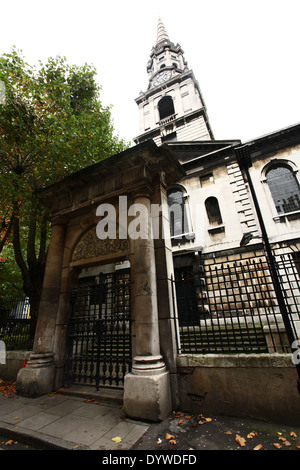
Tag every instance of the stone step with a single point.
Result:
(109, 396)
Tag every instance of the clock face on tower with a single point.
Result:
(162, 77)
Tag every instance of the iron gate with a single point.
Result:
(100, 330)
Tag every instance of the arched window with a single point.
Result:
(284, 188)
(177, 213)
(213, 211)
(166, 107)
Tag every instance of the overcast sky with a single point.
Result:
(244, 53)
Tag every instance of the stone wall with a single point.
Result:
(259, 386)
(14, 362)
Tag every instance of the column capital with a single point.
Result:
(144, 191)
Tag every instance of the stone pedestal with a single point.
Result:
(147, 393)
(37, 378)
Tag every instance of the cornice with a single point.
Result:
(178, 78)
(274, 142)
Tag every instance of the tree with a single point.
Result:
(52, 123)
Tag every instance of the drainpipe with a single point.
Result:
(245, 162)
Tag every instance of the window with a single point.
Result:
(166, 107)
(213, 211)
(284, 188)
(177, 213)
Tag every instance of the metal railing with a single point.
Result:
(100, 331)
(234, 309)
(17, 325)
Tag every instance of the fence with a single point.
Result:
(16, 324)
(233, 308)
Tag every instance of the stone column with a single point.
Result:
(164, 273)
(37, 378)
(147, 388)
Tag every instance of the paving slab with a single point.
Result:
(70, 421)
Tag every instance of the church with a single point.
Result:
(172, 111)
(204, 318)
(219, 222)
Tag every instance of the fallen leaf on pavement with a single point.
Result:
(172, 441)
(158, 441)
(169, 436)
(287, 443)
(293, 434)
(9, 443)
(117, 439)
(240, 440)
(278, 446)
(281, 438)
(228, 432)
(258, 447)
(208, 420)
(180, 421)
(7, 388)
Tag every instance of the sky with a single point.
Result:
(244, 54)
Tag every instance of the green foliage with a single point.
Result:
(10, 275)
(52, 123)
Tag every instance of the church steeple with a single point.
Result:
(161, 32)
(164, 55)
(172, 108)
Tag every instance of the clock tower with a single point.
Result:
(172, 108)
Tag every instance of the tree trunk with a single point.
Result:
(32, 271)
(7, 233)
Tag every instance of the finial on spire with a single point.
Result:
(161, 32)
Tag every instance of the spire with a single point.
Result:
(162, 34)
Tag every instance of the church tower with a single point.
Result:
(172, 108)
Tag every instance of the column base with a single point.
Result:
(147, 393)
(37, 378)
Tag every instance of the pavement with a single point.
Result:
(78, 419)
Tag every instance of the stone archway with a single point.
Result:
(141, 174)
